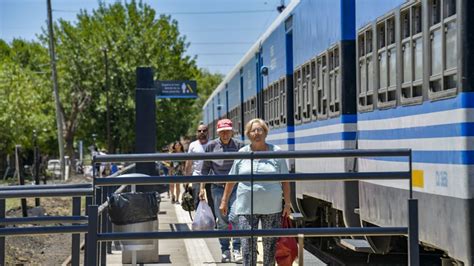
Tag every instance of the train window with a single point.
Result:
(306, 99)
(451, 46)
(365, 71)
(314, 91)
(276, 102)
(273, 104)
(405, 21)
(297, 95)
(443, 48)
(412, 55)
(449, 8)
(435, 12)
(266, 106)
(381, 35)
(283, 105)
(253, 106)
(334, 82)
(387, 63)
(322, 86)
(361, 44)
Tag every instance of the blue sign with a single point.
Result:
(176, 89)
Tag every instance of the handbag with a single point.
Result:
(286, 247)
(187, 200)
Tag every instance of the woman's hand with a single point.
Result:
(286, 210)
(202, 194)
(223, 208)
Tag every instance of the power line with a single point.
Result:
(220, 12)
(219, 30)
(223, 65)
(219, 53)
(194, 12)
(220, 43)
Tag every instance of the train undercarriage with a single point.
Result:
(390, 250)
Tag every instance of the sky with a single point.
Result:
(219, 31)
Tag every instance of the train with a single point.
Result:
(368, 74)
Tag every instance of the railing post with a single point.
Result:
(92, 236)
(2, 239)
(413, 248)
(103, 228)
(251, 212)
(88, 203)
(76, 238)
(300, 249)
(109, 223)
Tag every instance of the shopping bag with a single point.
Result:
(286, 247)
(204, 219)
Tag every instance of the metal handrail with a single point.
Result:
(43, 220)
(411, 230)
(277, 232)
(153, 180)
(153, 157)
(36, 193)
(42, 187)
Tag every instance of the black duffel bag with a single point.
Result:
(133, 207)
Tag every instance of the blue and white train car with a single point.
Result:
(415, 85)
(323, 36)
(369, 74)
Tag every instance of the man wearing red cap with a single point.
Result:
(225, 143)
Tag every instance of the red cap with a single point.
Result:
(224, 124)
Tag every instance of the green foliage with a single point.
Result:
(25, 97)
(130, 35)
(207, 82)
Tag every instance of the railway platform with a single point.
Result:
(189, 251)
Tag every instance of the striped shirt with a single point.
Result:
(220, 167)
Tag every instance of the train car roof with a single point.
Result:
(254, 49)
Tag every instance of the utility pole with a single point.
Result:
(107, 94)
(54, 79)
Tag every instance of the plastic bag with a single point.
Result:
(133, 207)
(204, 219)
(286, 247)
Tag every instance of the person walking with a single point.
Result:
(224, 143)
(193, 167)
(267, 196)
(177, 170)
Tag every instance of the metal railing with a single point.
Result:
(411, 231)
(78, 222)
(76, 191)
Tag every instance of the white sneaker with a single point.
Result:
(237, 256)
(225, 256)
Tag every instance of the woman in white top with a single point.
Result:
(267, 198)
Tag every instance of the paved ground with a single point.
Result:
(188, 251)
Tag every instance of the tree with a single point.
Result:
(207, 82)
(25, 97)
(133, 37)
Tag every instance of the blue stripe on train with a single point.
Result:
(343, 119)
(435, 157)
(437, 131)
(463, 100)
